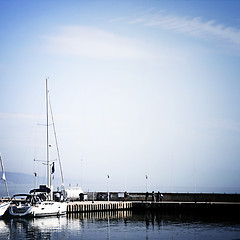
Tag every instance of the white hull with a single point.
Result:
(3, 207)
(43, 209)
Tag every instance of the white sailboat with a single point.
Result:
(39, 202)
(4, 205)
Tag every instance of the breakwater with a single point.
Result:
(198, 202)
(203, 207)
(200, 207)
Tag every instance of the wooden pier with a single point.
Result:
(101, 206)
(200, 207)
(97, 206)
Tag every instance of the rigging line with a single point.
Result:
(55, 135)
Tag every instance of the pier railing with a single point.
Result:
(172, 197)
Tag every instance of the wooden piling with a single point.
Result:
(75, 207)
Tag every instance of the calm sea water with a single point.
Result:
(123, 225)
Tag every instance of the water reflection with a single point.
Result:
(123, 225)
(39, 228)
(100, 215)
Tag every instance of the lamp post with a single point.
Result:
(81, 179)
(35, 179)
(108, 186)
(146, 182)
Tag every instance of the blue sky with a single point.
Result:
(137, 87)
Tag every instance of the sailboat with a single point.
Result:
(40, 202)
(4, 205)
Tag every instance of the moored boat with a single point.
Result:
(40, 202)
(5, 203)
(35, 204)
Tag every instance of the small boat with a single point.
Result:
(40, 202)
(5, 203)
(36, 205)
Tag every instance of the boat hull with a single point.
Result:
(3, 208)
(44, 209)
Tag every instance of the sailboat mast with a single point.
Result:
(47, 135)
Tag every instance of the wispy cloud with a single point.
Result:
(117, 19)
(93, 43)
(192, 26)
(222, 124)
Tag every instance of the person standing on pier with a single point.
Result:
(125, 195)
(153, 196)
(146, 196)
(161, 197)
(158, 196)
